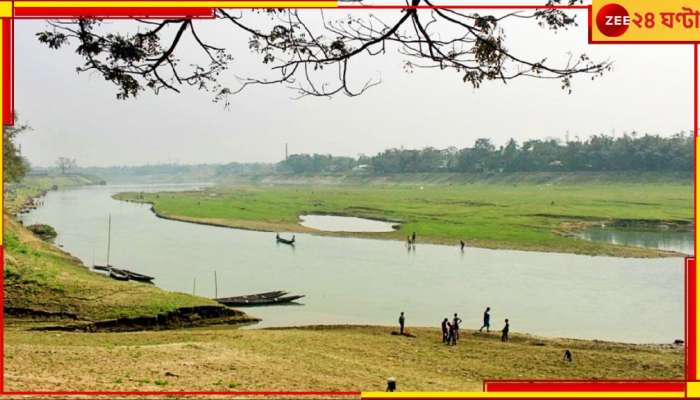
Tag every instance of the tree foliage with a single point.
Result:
(313, 53)
(14, 165)
(630, 152)
(66, 164)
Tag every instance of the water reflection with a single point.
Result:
(681, 242)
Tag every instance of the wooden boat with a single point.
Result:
(134, 276)
(286, 241)
(259, 302)
(118, 274)
(258, 296)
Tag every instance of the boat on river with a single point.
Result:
(258, 296)
(259, 299)
(286, 241)
(120, 273)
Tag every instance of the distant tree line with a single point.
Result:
(630, 152)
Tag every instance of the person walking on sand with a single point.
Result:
(505, 331)
(445, 332)
(487, 320)
(455, 324)
(402, 320)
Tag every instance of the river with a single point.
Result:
(363, 281)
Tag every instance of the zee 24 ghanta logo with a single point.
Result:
(613, 20)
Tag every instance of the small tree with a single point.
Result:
(13, 164)
(65, 164)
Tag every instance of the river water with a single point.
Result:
(681, 242)
(363, 281)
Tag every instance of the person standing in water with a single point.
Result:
(402, 320)
(487, 320)
(505, 331)
(413, 238)
(461, 244)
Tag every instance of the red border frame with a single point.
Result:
(488, 385)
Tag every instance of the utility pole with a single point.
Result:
(194, 286)
(216, 286)
(286, 151)
(109, 236)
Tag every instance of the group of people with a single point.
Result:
(411, 240)
(450, 329)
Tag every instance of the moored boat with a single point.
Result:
(243, 301)
(257, 296)
(118, 274)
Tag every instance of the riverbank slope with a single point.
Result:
(19, 196)
(42, 282)
(326, 358)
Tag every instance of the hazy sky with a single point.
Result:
(77, 115)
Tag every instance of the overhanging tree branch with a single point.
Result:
(299, 50)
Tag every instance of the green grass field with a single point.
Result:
(525, 216)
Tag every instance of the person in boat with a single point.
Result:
(278, 236)
(402, 321)
(455, 324)
(505, 332)
(487, 320)
(293, 236)
(445, 332)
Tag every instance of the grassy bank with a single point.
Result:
(39, 276)
(505, 214)
(314, 358)
(32, 186)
